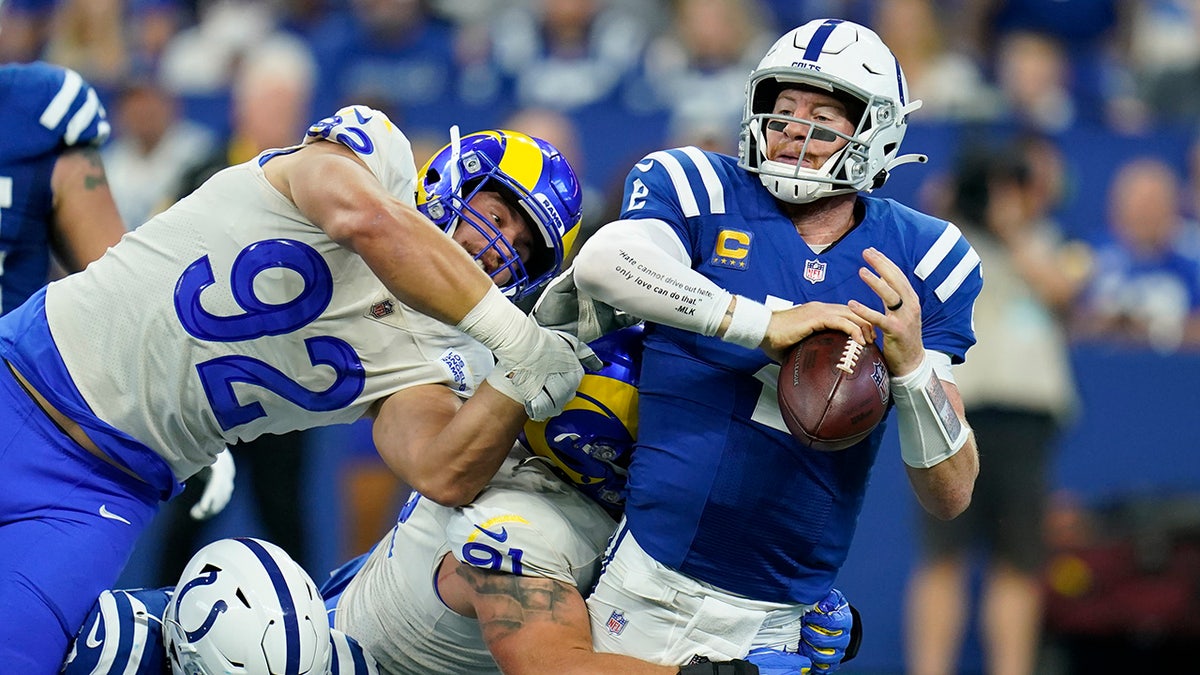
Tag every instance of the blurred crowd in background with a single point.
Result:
(1064, 139)
(211, 82)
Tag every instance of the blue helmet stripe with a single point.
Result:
(291, 622)
(813, 51)
(899, 80)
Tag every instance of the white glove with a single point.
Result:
(562, 306)
(218, 486)
(548, 380)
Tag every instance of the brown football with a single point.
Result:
(833, 392)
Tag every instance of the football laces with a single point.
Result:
(850, 354)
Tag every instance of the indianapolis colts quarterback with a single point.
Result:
(498, 585)
(732, 528)
(302, 288)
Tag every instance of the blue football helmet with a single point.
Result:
(530, 174)
(591, 441)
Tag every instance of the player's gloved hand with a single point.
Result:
(546, 382)
(218, 486)
(777, 662)
(828, 635)
(563, 306)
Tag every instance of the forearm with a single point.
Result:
(936, 443)
(422, 266)
(445, 451)
(638, 267)
(944, 490)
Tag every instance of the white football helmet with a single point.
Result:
(244, 607)
(851, 62)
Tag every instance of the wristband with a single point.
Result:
(748, 324)
(500, 326)
(930, 430)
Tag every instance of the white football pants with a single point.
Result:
(645, 609)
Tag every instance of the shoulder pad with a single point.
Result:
(379, 143)
(57, 106)
(122, 634)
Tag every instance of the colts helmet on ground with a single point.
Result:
(244, 607)
(853, 64)
(591, 441)
(528, 172)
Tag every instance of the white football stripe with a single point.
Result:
(716, 191)
(57, 110)
(938, 252)
(687, 198)
(969, 262)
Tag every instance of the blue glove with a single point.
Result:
(776, 662)
(826, 632)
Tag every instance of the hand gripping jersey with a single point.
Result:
(44, 110)
(527, 522)
(718, 489)
(123, 634)
(230, 315)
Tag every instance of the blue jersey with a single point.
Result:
(123, 634)
(44, 110)
(718, 489)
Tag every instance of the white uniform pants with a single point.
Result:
(645, 609)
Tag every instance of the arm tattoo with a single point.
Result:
(95, 176)
(507, 603)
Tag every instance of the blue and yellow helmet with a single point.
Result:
(529, 172)
(591, 441)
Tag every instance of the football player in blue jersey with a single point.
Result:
(54, 195)
(242, 606)
(306, 287)
(497, 585)
(733, 529)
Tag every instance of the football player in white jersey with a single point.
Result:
(303, 288)
(733, 529)
(497, 585)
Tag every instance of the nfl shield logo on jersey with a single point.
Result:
(382, 309)
(616, 623)
(814, 271)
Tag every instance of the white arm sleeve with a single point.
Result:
(642, 268)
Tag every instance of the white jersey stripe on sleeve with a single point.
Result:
(687, 198)
(938, 252)
(57, 110)
(716, 191)
(957, 275)
(82, 117)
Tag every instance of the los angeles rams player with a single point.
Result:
(732, 529)
(497, 585)
(302, 288)
(242, 606)
(54, 195)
